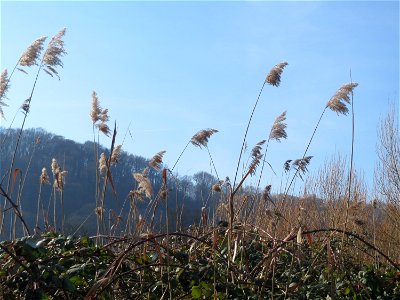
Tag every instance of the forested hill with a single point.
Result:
(37, 149)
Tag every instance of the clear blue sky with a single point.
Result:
(173, 68)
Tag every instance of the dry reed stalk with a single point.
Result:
(346, 91)
(201, 139)
(277, 132)
(43, 179)
(273, 78)
(51, 59)
(100, 117)
(337, 103)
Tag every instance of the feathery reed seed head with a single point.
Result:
(256, 157)
(302, 163)
(156, 160)
(278, 130)
(104, 115)
(115, 155)
(103, 128)
(26, 105)
(44, 178)
(55, 50)
(201, 137)
(286, 165)
(4, 85)
(102, 163)
(338, 102)
(97, 113)
(54, 166)
(256, 151)
(31, 55)
(145, 186)
(274, 76)
(96, 110)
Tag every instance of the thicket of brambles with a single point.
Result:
(158, 235)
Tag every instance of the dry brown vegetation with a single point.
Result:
(256, 244)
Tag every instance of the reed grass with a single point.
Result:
(256, 242)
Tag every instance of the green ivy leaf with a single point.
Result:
(196, 292)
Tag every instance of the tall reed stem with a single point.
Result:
(245, 134)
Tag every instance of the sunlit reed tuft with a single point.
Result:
(278, 130)
(54, 166)
(256, 157)
(201, 137)
(31, 55)
(97, 114)
(96, 110)
(44, 178)
(338, 102)
(156, 160)
(115, 155)
(274, 76)
(4, 85)
(103, 128)
(102, 163)
(144, 184)
(55, 50)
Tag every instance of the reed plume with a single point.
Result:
(99, 115)
(278, 130)
(337, 104)
(4, 85)
(54, 166)
(156, 160)
(59, 175)
(115, 155)
(44, 178)
(103, 128)
(102, 163)
(96, 109)
(286, 165)
(338, 101)
(145, 186)
(201, 137)
(52, 56)
(302, 163)
(31, 55)
(274, 76)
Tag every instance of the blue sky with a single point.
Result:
(171, 69)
